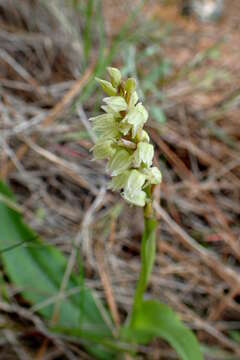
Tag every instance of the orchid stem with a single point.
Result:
(148, 250)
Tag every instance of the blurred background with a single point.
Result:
(185, 56)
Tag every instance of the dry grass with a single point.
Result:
(45, 157)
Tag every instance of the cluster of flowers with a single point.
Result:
(122, 140)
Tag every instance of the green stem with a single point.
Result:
(148, 250)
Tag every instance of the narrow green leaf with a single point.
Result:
(105, 58)
(158, 320)
(87, 41)
(38, 270)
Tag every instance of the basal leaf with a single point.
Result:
(37, 269)
(158, 320)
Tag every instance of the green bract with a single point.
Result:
(123, 142)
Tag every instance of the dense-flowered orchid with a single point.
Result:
(122, 140)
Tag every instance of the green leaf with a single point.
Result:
(157, 320)
(119, 345)
(38, 270)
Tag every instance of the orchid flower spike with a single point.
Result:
(122, 140)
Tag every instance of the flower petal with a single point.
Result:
(138, 198)
(133, 99)
(153, 175)
(120, 162)
(118, 182)
(144, 137)
(135, 181)
(105, 126)
(144, 154)
(103, 150)
(137, 116)
(116, 103)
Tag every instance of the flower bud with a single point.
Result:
(107, 87)
(143, 154)
(115, 76)
(130, 85)
(120, 162)
(116, 103)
